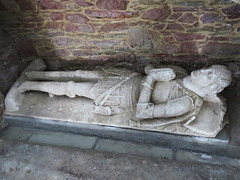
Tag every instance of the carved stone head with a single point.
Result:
(210, 80)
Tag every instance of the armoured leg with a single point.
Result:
(79, 75)
(70, 89)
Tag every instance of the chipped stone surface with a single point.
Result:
(76, 18)
(174, 27)
(144, 38)
(211, 17)
(112, 4)
(111, 14)
(2, 108)
(188, 36)
(171, 49)
(189, 47)
(46, 162)
(213, 48)
(188, 18)
(113, 27)
(157, 14)
(83, 3)
(56, 16)
(51, 4)
(232, 12)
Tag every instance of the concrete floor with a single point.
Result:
(23, 161)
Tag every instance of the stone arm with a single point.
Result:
(147, 110)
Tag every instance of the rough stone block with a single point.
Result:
(188, 18)
(232, 12)
(113, 27)
(211, 17)
(183, 9)
(215, 48)
(104, 43)
(51, 4)
(16, 133)
(71, 28)
(56, 16)
(77, 18)
(135, 149)
(142, 38)
(63, 139)
(1, 108)
(112, 4)
(26, 48)
(157, 14)
(83, 3)
(189, 157)
(111, 14)
(171, 49)
(26, 5)
(64, 41)
(79, 28)
(174, 27)
(159, 26)
(188, 36)
(191, 3)
(54, 25)
(85, 52)
(86, 28)
(57, 53)
(189, 47)
(175, 16)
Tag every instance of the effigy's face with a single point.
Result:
(205, 77)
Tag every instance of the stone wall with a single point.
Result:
(97, 32)
(13, 51)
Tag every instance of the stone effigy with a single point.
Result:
(164, 99)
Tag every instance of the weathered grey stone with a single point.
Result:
(135, 149)
(189, 157)
(1, 108)
(219, 2)
(63, 139)
(144, 39)
(191, 3)
(27, 161)
(157, 14)
(232, 12)
(16, 133)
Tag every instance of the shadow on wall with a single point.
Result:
(17, 38)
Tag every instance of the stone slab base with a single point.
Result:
(218, 145)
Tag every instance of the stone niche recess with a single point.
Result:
(84, 34)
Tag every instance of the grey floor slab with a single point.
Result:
(129, 148)
(16, 133)
(63, 139)
(189, 157)
(23, 161)
(217, 146)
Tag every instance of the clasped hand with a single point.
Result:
(162, 74)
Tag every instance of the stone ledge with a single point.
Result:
(216, 146)
(127, 148)
(63, 139)
(136, 149)
(189, 157)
